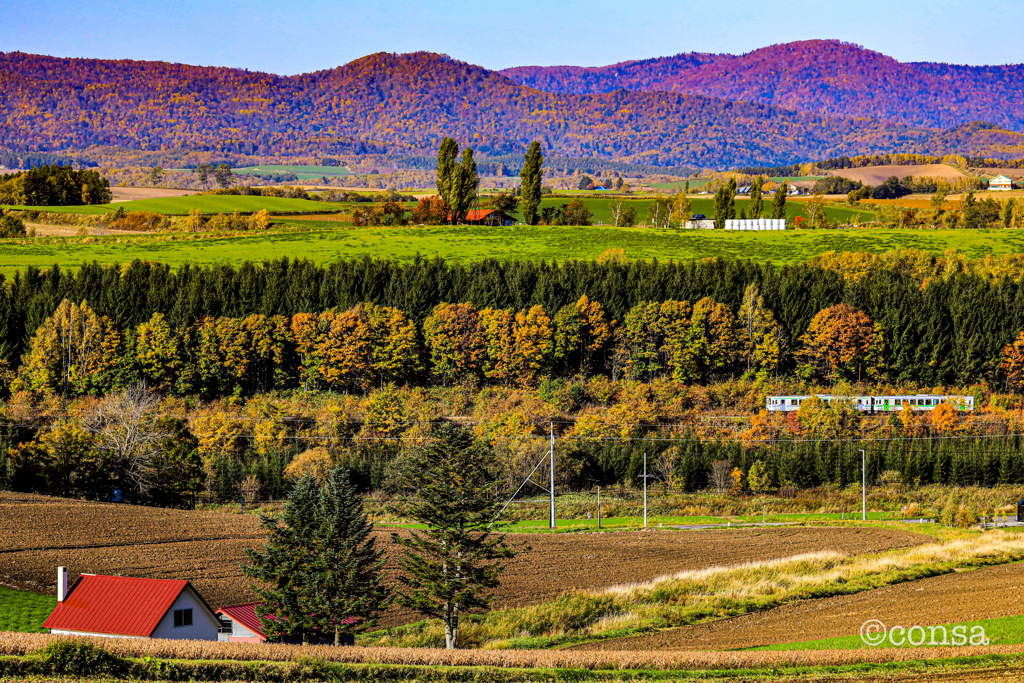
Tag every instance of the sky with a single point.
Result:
(309, 35)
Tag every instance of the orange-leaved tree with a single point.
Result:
(1012, 365)
(456, 341)
(841, 343)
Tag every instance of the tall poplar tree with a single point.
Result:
(448, 486)
(756, 207)
(779, 202)
(447, 169)
(530, 181)
(466, 184)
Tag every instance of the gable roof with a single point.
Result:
(244, 615)
(1001, 178)
(118, 605)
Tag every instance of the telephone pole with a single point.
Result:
(864, 484)
(552, 475)
(645, 476)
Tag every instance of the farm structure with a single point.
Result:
(241, 624)
(1020, 510)
(1001, 183)
(740, 224)
(873, 404)
(128, 607)
(488, 217)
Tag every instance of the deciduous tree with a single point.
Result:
(530, 182)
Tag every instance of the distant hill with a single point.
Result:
(817, 76)
(406, 103)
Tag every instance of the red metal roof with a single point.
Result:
(119, 605)
(246, 616)
(478, 214)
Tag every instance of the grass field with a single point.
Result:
(465, 244)
(303, 172)
(23, 610)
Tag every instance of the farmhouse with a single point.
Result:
(240, 624)
(1000, 182)
(127, 607)
(488, 217)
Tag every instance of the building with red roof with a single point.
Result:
(128, 607)
(241, 624)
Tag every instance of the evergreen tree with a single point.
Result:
(530, 181)
(449, 487)
(347, 569)
(779, 202)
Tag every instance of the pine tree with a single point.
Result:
(530, 181)
(449, 487)
(779, 202)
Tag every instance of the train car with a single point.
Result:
(873, 404)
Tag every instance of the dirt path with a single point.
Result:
(986, 593)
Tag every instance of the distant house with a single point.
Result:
(240, 624)
(127, 607)
(1000, 182)
(488, 217)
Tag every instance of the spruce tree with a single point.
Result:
(779, 202)
(346, 569)
(530, 181)
(448, 486)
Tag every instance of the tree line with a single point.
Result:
(53, 185)
(940, 327)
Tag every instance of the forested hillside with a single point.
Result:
(406, 104)
(819, 76)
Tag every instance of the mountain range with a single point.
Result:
(784, 103)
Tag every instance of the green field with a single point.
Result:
(23, 610)
(219, 203)
(463, 244)
(1001, 631)
(303, 172)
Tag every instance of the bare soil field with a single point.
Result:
(986, 593)
(127, 194)
(876, 175)
(38, 534)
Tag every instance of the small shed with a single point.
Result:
(1020, 510)
(241, 624)
(129, 607)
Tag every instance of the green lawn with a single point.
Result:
(221, 203)
(1002, 631)
(23, 610)
(463, 244)
(303, 172)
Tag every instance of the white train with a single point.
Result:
(874, 404)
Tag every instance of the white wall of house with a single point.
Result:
(204, 624)
(63, 632)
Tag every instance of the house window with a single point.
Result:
(182, 617)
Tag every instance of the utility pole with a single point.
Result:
(552, 475)
(644, 476)
(864, 484)
(598, 507)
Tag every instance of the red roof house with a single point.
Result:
(128, 607)
(241, 624)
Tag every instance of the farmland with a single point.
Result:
(876, 175)
(206, 547)
(302, 172)
(463, 244)
(206, 203)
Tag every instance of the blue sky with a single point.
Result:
(308, 35)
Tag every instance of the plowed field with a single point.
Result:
(37, 534)
(987, 593)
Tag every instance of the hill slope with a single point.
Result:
(407, 103)
(815, 76)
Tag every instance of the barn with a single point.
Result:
(128, 607)
(488, 217)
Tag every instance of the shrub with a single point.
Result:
(82, 658)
